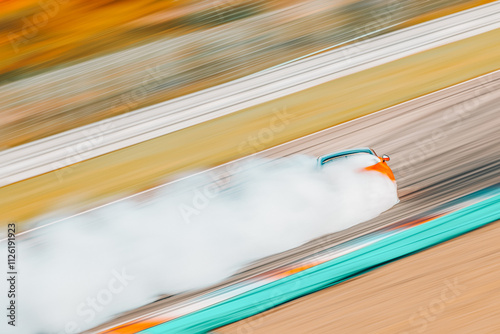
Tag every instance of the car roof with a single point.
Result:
(324, 158)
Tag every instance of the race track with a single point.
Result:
(442, 145)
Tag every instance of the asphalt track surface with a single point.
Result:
(442, 146)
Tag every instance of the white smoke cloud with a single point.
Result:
(192, 234)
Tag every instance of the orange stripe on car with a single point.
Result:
(383, 168)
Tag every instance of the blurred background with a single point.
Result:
(171, 146)
(50, 83)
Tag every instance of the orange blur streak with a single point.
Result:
(298, 269)
(417, 222)
(383, 168)
(134, 326)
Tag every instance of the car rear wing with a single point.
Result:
(325, 158)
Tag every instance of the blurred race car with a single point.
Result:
(364, 181)
(366, 157)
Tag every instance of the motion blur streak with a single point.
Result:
(186, 46)
(188, 229)
(84, 143)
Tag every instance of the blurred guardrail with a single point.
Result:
(80, 144)
(229, 39)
